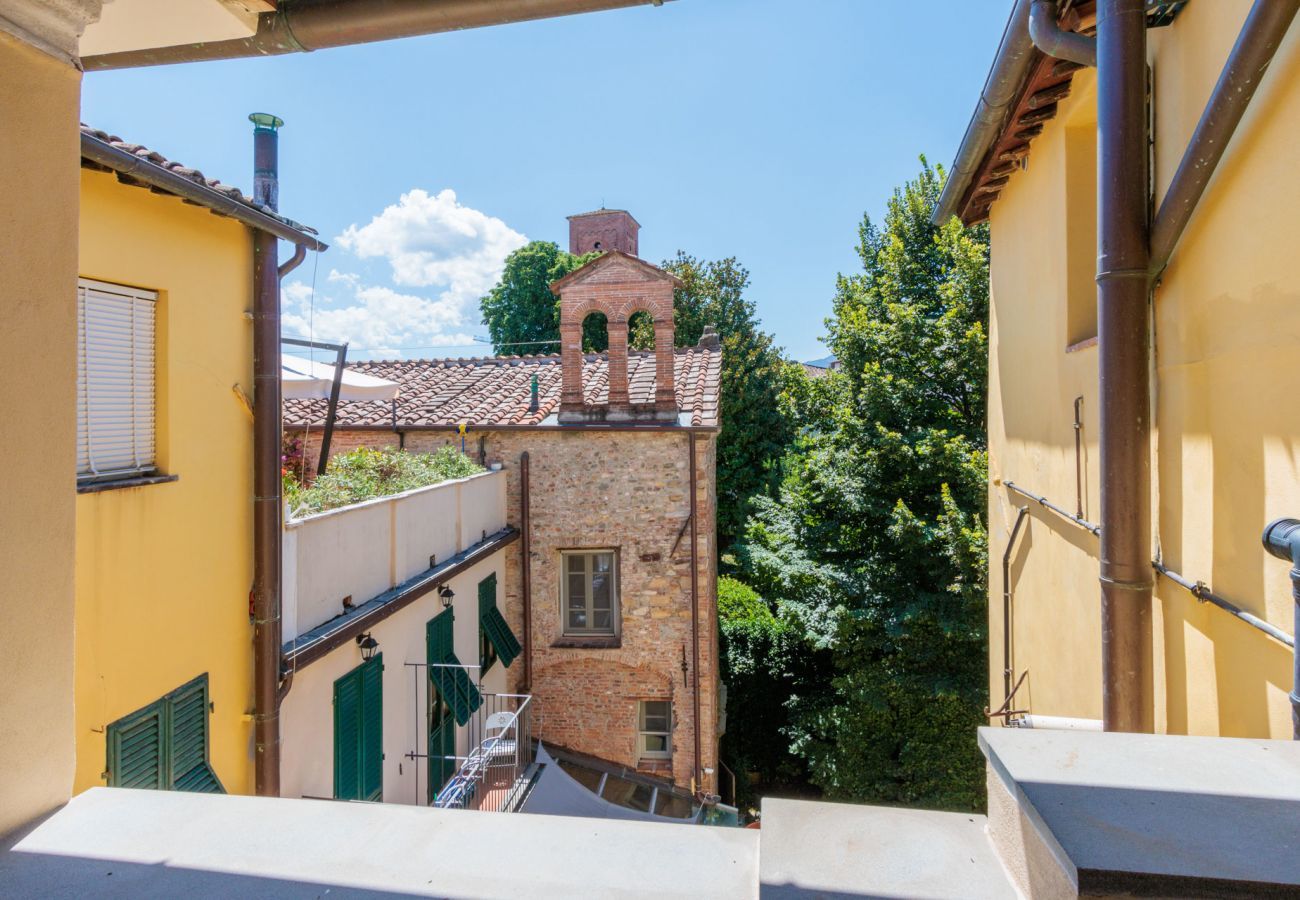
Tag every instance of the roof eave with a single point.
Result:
(1006, 79)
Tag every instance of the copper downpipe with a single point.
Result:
(698, 776)
(1124, 336)
(525, 568)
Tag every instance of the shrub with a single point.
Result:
(367, 474)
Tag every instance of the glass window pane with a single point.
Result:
(575, 563)
(641, 797)
(671, 805)
(602, 620)
(602, 562)
(577, 591)
(601, 595)
(657, 709)
(655, 743)
(577, 618)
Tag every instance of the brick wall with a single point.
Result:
(628, 490)
(610, 230)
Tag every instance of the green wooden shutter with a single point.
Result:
(136, 749)
(454, 684)
(372, 729)
(164, 746)
(493, 624)
(188, 733)
(347, 736)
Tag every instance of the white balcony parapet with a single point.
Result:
(358, 552)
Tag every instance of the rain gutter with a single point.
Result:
(298, 27)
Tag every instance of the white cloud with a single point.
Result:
(434, 241)
(429, 241)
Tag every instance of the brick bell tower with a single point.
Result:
(603, 229)
(619, 285)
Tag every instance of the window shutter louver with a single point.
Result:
(347, 737)
(372, 729)
(494, 624)
(165, 745)
(115, 380)
(453, 684)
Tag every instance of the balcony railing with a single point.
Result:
(494, 777)
(493, 758)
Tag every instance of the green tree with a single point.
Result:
(755, 433)
(522, 314)
(875, 544)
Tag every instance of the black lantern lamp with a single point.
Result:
(368, 646)
(447, 595)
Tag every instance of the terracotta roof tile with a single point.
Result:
(495, 390)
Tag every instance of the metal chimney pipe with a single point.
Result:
(266, 159)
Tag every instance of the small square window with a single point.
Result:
(589, 585)
(655, 738)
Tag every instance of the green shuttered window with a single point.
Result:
(359, 732)
(164, 746)
(496, 640)
(448, 675)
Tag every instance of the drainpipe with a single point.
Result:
(267, 501)
(1124, 336)
(698, 776)
(1266, 25)
(526, 580)
(1055, 41)
(300, 27)
(1282, 539)
(1021, 513)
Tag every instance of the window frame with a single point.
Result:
(616, 605)
(643, 731)
(144, 471)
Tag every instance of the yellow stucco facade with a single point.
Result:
(39, 102)
(163, 571)
(1225, 442)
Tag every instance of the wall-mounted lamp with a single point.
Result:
(447, 595)
(368, 646)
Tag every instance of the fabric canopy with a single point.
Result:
(304, 379)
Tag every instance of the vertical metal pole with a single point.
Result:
(698, 775)
(1124, 337)
(525, 567)
(1007, 632)
(332, 413)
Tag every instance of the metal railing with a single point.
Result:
(497, 741)
(495, 775)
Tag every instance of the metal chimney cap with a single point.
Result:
(265, 121)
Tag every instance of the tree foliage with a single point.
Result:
(522, 315)
(875, 545)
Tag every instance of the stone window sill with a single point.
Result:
(595, 642)
(96, 487)
(1082, 345)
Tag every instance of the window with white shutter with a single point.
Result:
(115, 381)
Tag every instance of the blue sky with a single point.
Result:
(749, 128)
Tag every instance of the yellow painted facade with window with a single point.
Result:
(1225, 439)
(163, 571)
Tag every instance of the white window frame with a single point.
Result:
(643, 731)
(615, 611)
(117, 418)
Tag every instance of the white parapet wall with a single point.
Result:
(360, 551)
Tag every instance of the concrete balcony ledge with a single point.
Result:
(111, 842)
(1092, 814)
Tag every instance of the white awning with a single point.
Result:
(305, 379)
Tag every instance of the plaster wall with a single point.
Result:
(1225, 449)
(164, 570)
(307, 714)
(39, 106)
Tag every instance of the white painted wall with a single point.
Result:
(365, 549)
(307, 715)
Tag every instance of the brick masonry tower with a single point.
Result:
(618, 285)
(603, 229)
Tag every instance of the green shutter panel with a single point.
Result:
(347, 736)
(135, 749)
(494, 624)
(188, 751)
(372, 729)
(453, 684)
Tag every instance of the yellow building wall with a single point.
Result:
(39, 104)
(1225, 443)
(163, 571)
